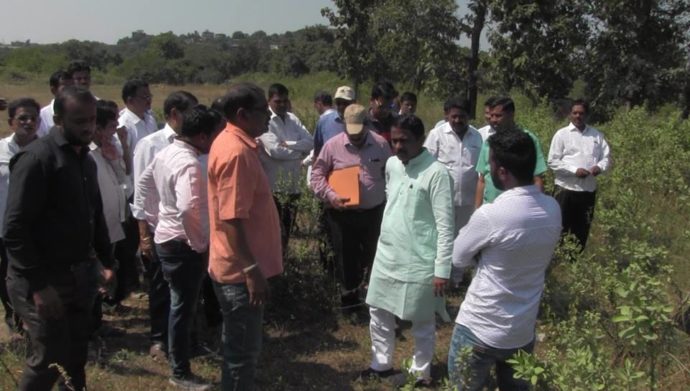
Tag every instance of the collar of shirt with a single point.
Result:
(169, 133)
(519, 190)
(62, 142)
(185, 145)
(367, 141)
(129, 116)
(325, 113)
(419, 159)
(239, 133)
(572, 127)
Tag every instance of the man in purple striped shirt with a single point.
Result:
(354, 230)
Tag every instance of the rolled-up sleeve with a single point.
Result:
(473, 237)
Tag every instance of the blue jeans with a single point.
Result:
(480, 361)
(241, 336)
(183, 269)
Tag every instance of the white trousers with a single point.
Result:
(382, 330)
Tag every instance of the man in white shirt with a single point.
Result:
(136, 116)
(23, 119)
(323, 104)
(578, 154)
(487, 130)
(284, 146)
(178, 180)
(511, 242)
(145, 211)
(58, 81)
(456, 145)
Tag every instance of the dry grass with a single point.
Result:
(297, 355)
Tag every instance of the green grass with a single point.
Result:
(642, 212)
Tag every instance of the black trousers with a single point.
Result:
(354, 235)
(11, 319)
(61, 341)
(577, 210)
(126, 255)
(159, 299)
(287, 212)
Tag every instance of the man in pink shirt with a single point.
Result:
(354, 230)
(245, 232)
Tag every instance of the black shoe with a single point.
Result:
(371, 373)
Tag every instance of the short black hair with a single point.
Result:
(105, 113)
(80, 94)
(456, 103)
(277, 89)
(180, 100)
(489, 102)
(55, 78)
(219, 105)
(323, 97)
(13, 106)
(383, 89)
(411, 123)
(580, 102)
(408, 97)
(218, 117)
(243, 95)
(198, 120)
(515, 151)
(130, 88)
(78, 66)
(505, 102)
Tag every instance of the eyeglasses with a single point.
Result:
(144, 97)
(26, 118)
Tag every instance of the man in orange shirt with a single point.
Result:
(245, 245)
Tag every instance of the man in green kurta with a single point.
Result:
(413, 256)
(502, 119)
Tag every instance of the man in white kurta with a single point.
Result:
(456, 145)
(412, 263)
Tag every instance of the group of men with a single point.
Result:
(431, 207)
(210, 199)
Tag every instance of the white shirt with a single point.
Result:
(572, 149)
(177, 178)
(512, 240)
(112, 195)
(146, 150)
(460, 158)
(282, 163)
(8, 148)
(47, 122)
(486, 131)
(137, 128)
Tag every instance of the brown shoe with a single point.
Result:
(157, 352)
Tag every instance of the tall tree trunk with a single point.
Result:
(477, 27)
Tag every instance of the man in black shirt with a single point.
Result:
(381, 116)
(55, 235)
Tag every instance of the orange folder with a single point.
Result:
(345, 182)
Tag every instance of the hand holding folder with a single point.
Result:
(345, 182)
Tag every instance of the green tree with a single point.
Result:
(355, 54)
(537, 45)
(636, 53)
(417, 40)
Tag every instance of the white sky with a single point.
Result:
(49, 21)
